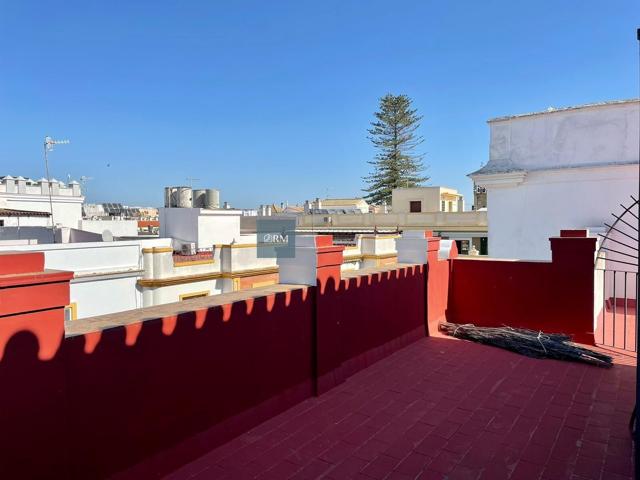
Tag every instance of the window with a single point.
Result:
(1, 223)
(415, 206)
(189, 296)
(463, 247)
(451, 206)
(443, 206)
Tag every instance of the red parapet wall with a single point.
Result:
(32, 406)
(187, 382)
(556, 296)
(146, 397)
(365, 318)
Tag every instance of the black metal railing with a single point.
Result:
(617, 320)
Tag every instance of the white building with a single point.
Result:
(200, 226)
(18, 193)
(426, 199)
(105, 273)
(558, 169)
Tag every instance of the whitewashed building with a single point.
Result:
(426, 199)
(19, 193)
(557, 169)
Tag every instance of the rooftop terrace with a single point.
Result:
(329, 374)
(443, 408)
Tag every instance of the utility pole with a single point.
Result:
(48, 147)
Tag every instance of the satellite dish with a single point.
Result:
(107, 236)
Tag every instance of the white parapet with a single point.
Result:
(445, 249)
(301, 268)
(412, 247)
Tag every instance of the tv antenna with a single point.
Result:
(191, 181)
(83, 184)
(49, 143)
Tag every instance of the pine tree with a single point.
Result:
(396, 164)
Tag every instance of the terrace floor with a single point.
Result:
(442, 408)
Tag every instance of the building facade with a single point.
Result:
(19, 193)
(561, 168)
(426, 199)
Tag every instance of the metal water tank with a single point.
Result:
(212, 198)
(199, 198)
(167, 197)
(184, 197)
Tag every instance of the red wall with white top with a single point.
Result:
(119, 399)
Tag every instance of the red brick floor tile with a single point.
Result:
(379, 468)
(284, 469)
(313, 470)
(337, 453)
(587, 467)
(597, 434)
(413, 464)
(496, 471)
(444, 408)
(527, 471)
(347, 468)
(618, 464)
(400, 448)
(595, 449)
(459, 443)
(431, 443)
(538, 454)
(463, 472)
(430, 475)
(557, 470)
(446, 429)
(444, 462)
(371, 449)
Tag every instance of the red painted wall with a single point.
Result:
(32, 400)
(114, 399)
(439, 273)
(148, 397)
(365, 319)
(554, 296)
(108, 400)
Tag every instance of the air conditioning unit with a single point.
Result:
(188, 248)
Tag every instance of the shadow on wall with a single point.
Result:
(96, 408)
(365, 318)
(165, 391)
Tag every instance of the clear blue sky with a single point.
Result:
(270, 101)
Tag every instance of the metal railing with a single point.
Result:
(617, 320)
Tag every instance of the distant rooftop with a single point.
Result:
(564, 109)
(341, 201)
(12, 212)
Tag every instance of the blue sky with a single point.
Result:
(270, 101)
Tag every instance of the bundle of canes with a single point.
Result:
(536, 344)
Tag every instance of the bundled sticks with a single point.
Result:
(528, 342)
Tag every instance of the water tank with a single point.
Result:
(167, 197)
(212, 198)
(184, 197)
(199, 198)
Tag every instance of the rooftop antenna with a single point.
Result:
(191, 180)
(83, 182)
(49, 143)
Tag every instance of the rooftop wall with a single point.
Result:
(475, 221)
(122, 388)
(555, 296)
(592, 135)
(151, 389)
